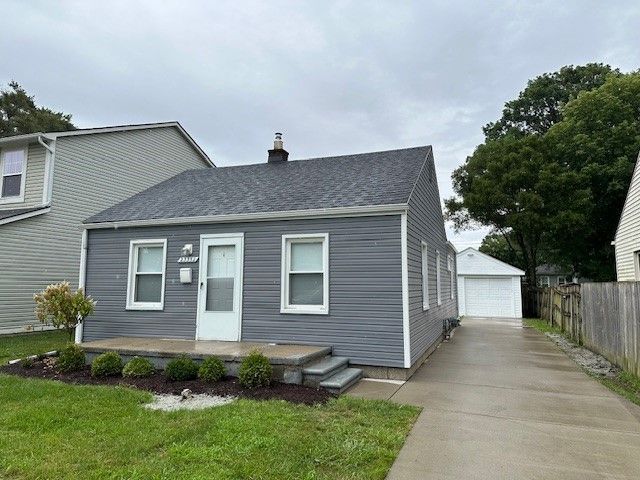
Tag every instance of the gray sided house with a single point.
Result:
(348, 252)
(51, 182)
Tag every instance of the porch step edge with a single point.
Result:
(325, 365)
(342, 380)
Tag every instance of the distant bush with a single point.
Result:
(109, 364)
(211, 370)
(181, 368)
(71, 358)
(138, 367)
(255, 371)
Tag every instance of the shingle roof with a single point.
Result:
(379, 178)
(4, 214)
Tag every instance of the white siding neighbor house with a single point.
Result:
(487, 287)
(627, 239)
(52, 181)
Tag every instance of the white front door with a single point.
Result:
(220, 290)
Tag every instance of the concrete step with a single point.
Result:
(342, 380)
(318, 371)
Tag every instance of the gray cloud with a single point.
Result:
(336, 77)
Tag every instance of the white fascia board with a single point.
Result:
(393, 209)
(16, 218)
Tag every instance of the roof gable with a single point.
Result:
(473, 262)
(630, 211)
(362, 180)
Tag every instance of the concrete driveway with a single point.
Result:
(502, 401)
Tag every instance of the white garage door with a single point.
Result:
(489, 297)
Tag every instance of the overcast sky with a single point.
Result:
(335, 77)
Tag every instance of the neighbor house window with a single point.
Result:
(438, 284)
(305, 274)
(544, 281)
(12, 167)
(147, 265)
(425, 275)
(450, 268)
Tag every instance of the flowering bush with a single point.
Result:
(59, 306)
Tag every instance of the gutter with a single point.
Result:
(370, 210)
(82, 278)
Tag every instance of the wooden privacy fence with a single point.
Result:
(604, 317)
(611, 322)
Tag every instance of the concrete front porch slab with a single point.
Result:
(278, 354)
(288, 361)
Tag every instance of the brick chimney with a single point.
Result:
(278, 154)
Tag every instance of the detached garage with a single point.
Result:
(487, 287)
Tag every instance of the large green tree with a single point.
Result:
(19, 114)
(599, 138)
(513, 183)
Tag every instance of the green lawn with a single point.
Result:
(21, 345)
(541, 325)
(50, 429)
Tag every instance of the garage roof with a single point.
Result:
(473, 262)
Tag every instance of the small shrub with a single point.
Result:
(109, 364)
(255, 371)
(71, 358)
(27, 362)
(138, 367)
(211, 370)
(181, 368)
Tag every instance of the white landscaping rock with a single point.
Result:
(584, 357)
(170, 403)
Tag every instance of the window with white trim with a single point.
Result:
(424, 250)
(438, 284)
(12, 166)
(147, 267)
(305, 274)
(450, 268)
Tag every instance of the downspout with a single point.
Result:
(48, 185)
(82, 277)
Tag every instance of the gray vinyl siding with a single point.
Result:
(425, 223)
(365, 292)
(92, 172)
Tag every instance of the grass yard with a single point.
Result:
(21, 345)
(50, 429)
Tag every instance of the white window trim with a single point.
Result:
(23, 179)
(450, 268)
(438, 282)
(284, 279)
(133, 260)
(424, 258)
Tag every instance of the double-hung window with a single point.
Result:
(438, 283)
(147, 265)
(305, 274)
(450, 268)
(424, 250)
(12, 167)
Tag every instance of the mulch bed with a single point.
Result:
(158, 383)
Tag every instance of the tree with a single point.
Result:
(539, 106)
(599, 139)
(511, 185)
(19, 114)
(503, 248)
(536, 179)
(57, 305)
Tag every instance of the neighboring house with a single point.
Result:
(551, 276)
(53, 181)
(627, 238)
(488, 287)
(348, 252)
